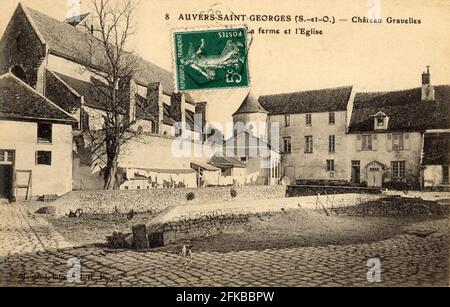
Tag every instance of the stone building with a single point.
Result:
(436, 159)
(47, 55)
(35, 143)
(388, 130)
(396, 139)
(247, 157)
(312, 131)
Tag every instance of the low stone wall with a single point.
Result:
(156, 200)
(177, 224)
(175, 232)
(396, 206)
(306, 190)
(258, 206)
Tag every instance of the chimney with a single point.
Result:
(200, 110)
(178, 108)
(156, 104)
(427, 88)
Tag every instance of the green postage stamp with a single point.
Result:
(210, 59)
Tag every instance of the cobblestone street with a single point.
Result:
(33, 253)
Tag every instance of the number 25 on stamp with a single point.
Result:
(210, 59)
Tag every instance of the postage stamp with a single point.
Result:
(210, 59)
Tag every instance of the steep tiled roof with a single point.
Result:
(405, 109)
(220, 160)
(66, 40)
(250, 105)
(204, 165)
(20, 101)
(436, 149)
(83, 88)
(75, 20)
(323, 100)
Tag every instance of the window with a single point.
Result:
(6, 155)
(399, 140)
(366, 142)
(44, 157)
(445, 174)
(308, 119)
(331, 118)
(287, 145)
(330, 165)
(44, 133)
(308, 144)
(380, 121)
(287, 120)
(243, 159)
(398, 169)
(331, 143)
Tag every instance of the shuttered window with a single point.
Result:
(398, 141)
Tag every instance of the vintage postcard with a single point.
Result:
(224, 145)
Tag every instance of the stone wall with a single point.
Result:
(21, 46)
(395, 206)
(177, 224)
(306, 190)
(156, 200)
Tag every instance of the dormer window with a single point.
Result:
(380, 121)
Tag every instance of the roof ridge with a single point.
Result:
(51, 17)
(147, 72)
(399, 90)
(42, 96)
(311, 90)
(25, 10)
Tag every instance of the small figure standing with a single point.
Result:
(186, 253)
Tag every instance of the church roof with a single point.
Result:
(67, 41)
(250, 105)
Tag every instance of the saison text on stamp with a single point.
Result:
(210, 59)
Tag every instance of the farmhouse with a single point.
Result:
(388, 131)
(35, 144)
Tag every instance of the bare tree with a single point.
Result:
(105, 57)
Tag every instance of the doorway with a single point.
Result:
(6, 178)
(374, 174)
(356, 171)
(7, 173)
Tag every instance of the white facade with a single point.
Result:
(301, 163)
(55, 178)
